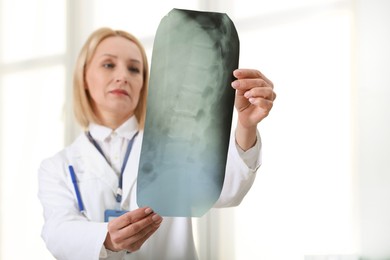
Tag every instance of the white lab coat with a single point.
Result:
(70, 235)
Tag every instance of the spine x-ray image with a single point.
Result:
(189, 113)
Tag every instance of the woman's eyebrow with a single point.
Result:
(114, 56)
(135, 60)
(110, 55)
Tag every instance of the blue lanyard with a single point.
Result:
(118, 196)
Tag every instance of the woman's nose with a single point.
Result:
(122, 76)
(121, 79)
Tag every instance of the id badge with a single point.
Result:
(110, 214)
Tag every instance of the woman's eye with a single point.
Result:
(134, 69)
(108, 65)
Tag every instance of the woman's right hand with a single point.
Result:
(132, 229)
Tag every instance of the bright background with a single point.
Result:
(324, 187)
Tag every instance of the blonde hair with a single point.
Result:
(82, 103)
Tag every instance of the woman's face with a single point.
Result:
(114, 78)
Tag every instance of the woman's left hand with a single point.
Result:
(254, 100)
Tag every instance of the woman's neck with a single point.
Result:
(113, 121)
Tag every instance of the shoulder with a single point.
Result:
(66, 156)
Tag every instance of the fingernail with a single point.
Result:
(252, 100)
(247, 94)
(148, 211)
(235, 84)
(156, 218)
(237, 72)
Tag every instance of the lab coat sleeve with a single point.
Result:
(67, 233)
(240, 173)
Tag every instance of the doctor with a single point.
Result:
(97, 173)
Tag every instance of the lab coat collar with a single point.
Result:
(100, 168)
(86, 158)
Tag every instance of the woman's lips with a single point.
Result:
(119, 92)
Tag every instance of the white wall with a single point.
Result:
(372, 117)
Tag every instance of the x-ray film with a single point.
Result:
(189, 113)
